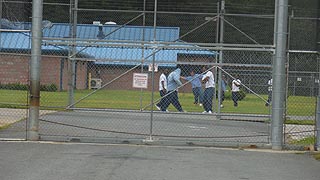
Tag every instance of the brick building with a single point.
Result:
(105, 62)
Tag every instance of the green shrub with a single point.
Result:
(14, 86)
(53, 87)
(24, 87)
(48, 87)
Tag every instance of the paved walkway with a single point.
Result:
(69, 161)
(9, 116)
(293, 132)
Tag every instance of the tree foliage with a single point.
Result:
(304, 34)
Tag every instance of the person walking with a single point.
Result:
(162, 88)
(235, 89)
(172, 97)
(195, 80)
(269, 92)
(208, 80)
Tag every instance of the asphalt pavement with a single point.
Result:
(134, 127)
(72, 161)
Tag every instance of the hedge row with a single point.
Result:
(18, 86)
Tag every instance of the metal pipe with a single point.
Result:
(221, 41)
(287, 66)
(34, 99)
(148, 12)
(0, 21)
(164, 47)
(153, 64)
(278, 74)
(72, 51)
(142, 50)
(276, 2)
(0, 12)
(317, 145)
(93, 42)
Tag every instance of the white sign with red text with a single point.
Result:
(140, 80)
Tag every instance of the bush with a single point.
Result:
(24, 87)
(49, 87)
(14, 86)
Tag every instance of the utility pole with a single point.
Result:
(34, 99)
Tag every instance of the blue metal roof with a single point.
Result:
(21, 41)
(108, 55)
(91, 31)
(116, 32)
(134, 56)
(11, 40)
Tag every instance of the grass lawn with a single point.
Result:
(123, 99)
(304, 141)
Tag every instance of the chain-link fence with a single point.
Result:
(101, 73)
(14, 95)
(302, 92)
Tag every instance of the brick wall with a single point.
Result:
(54, 70)
(107, 74)
(15, 69)
(50, 71)
(82, 70)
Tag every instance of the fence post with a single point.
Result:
(34, 99)
(221, 37)
(318, 123)
(72, 52)
(0, 11)
(150, 139)
(278, 74)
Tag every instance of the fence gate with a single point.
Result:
(100, 71)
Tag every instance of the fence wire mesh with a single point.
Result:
(302, 92)
(14, 95)
(101, 68)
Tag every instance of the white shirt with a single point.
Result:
(236, 85)
(210, 82)
(162, 78)
(270, 85)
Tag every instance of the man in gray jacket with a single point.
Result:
(173, 83)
